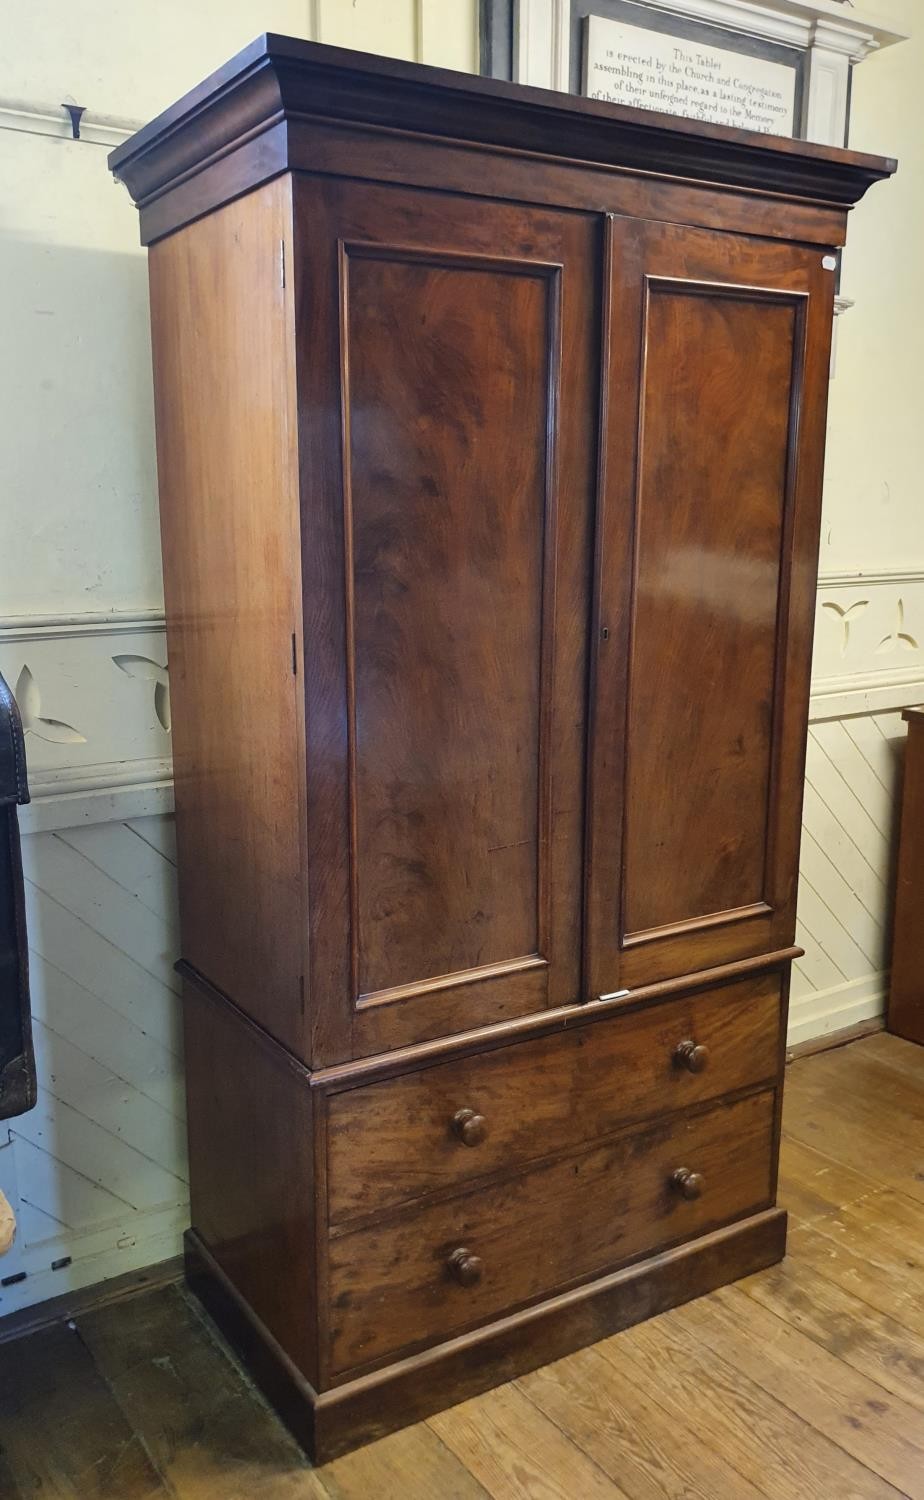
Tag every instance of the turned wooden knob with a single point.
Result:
(688, 1184)
(465, 1267)
(692, 1056)
(470, 1128)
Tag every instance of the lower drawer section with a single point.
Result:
(424, 1275)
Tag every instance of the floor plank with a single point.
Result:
(895, 1052)
(411, 1462)
(62, 1434)
(652, 1454)
(204, 1425)
(868, 1340)
(516, 1453)
(877, 1429)
(868, 1118)
(776, 1450)
(867, 1250)
(812, 1185)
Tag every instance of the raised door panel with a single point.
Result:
(450, 362)
(446, 559)
(706, 558)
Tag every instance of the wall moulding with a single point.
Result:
(53, 120)
(869, 642)
(93, 692)
(103, 672)
(872, 579)
(40, 627)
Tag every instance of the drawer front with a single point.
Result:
(434, 1271)
(448, 1124)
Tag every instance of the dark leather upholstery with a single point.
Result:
(17, 1063)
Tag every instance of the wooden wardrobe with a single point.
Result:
(490, 428)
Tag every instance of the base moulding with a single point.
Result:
(329, 1423)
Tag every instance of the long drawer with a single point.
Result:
(428, 1273)
(448, 1124)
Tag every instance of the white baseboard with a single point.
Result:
(79, 795)
(825, 1011)
(95, 1256)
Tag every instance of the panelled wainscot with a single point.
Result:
(490, 429)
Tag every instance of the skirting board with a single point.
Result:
(367, 1408)
(95, 1261)
(76, 1304)
(835, 1039)
(823, 1011)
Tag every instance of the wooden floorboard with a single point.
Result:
(62, 1431)
(805, 1382)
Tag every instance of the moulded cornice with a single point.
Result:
(279, 79)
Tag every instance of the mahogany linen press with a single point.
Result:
(490, 427)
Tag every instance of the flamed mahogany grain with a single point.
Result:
(707, 542)
(709, 529)
(391, 1287)
(449, 531)
(393, 1141)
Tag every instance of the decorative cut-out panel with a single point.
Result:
(846, 614)
(93, 692)
(867, 628)
(143, 669)
(29, 698)
(898, 639)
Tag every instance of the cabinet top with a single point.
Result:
(278, 81)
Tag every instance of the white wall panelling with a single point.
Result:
(869, 638)
(97, 1172)
(868, 664)
(93, 692)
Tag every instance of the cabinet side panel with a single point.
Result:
(251, 1169)
(227, 473)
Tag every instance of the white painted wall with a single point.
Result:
(97, 1172)
(873, 511)
(870, 630)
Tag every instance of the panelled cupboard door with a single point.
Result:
(713, 410)
(448, 406)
